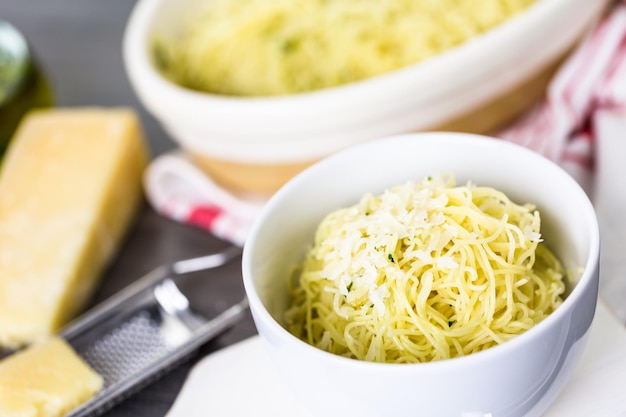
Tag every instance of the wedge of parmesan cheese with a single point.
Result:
(45, 380)
(70, 185)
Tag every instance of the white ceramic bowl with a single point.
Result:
(469, 88)
(518, 378)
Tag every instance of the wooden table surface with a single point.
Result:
(79, 45)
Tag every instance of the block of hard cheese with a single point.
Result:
(70, 185)
(45, 380)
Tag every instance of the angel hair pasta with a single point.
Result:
(423, 272)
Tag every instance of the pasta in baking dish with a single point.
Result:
(277, 47)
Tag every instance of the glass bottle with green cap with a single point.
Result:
(22, 83)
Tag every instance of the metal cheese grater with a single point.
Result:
(146, 330)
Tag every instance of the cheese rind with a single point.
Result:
(45, 380)
(70, 186)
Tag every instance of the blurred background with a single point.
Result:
(77, 45)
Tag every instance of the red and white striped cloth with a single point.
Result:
(177, 189)
(592, 81)
(579, 125)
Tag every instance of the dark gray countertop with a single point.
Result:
(79, 45)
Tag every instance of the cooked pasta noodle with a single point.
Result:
(275, 47)
(423, 272)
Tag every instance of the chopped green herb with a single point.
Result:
(390, 257)
(430, 178)
(289, 45)
(371, 305)
(349, 287)
(450, 323)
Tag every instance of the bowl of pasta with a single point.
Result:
(254, 91)
(434, 274)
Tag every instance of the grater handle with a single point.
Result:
(136, 293)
